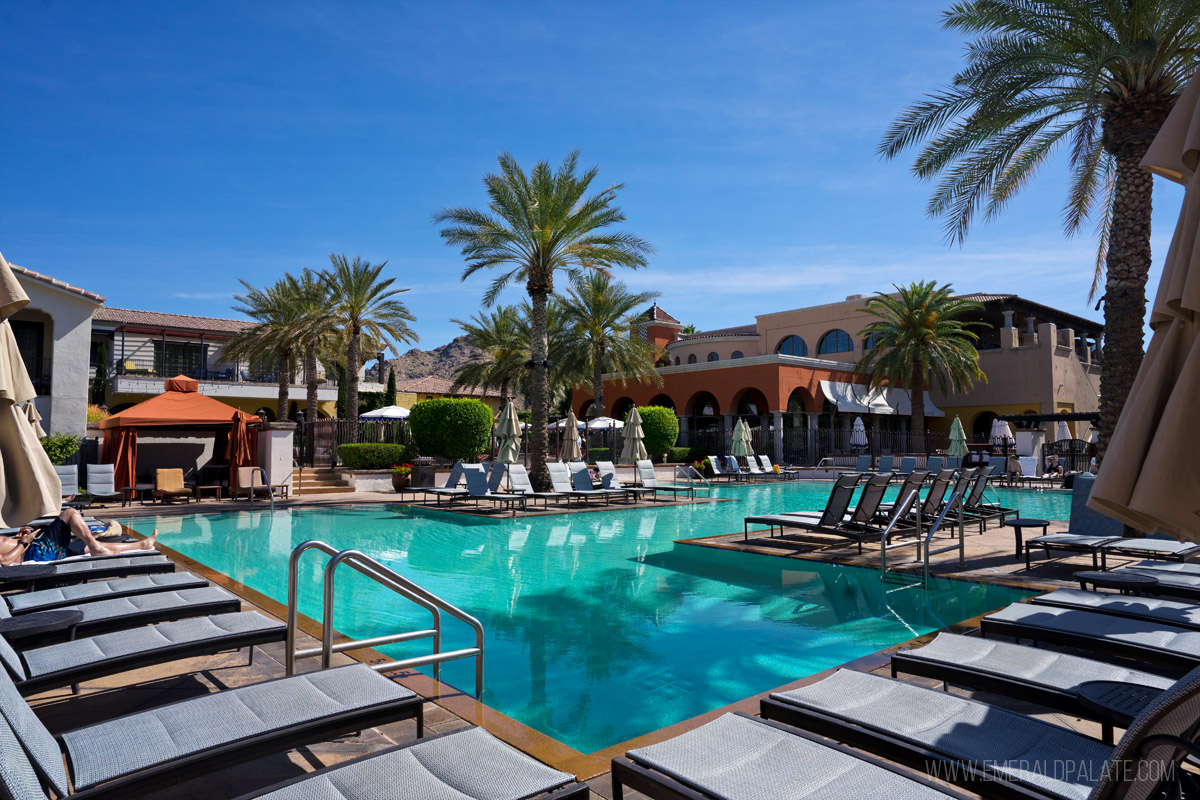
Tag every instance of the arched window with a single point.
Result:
(677, 361)
(737, 354)
(836, 341)
(870, 342)
(713, 357)
(792, 346)
(692, 358)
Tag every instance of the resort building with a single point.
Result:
(427, 388)
(791, 375)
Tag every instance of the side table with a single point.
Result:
(18, 574)
(1019, 524)
(39, 622)
(1135, 583)
(1115, 702)
(214, 488)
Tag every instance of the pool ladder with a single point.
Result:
(388, 578)
(922, 543)
(692, 479)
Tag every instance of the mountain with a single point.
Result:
(440, 362)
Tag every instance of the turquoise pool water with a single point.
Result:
(599, 627)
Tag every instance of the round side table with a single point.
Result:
(39, 622)
(24, 573)
(1115, 702)
(1135, 583)
(1019, 524)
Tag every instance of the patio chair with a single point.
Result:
(864, 523)
(954, 462)
(1172, 584)
(993, 751)
(135, 754)
(519, 477)
(978, 508)
(740, 756)
(862, 464)
(717, 470)
(560, 479)
(934, 464)
(962, 487)
(912, 483)
(49, 599)
(451, 488)
(169, 485)
(908, 465)
(68, 476)
(1153, 642)
(461, 764)
(885, 465)
(72, 662)
(251, 483)
(78, 569)
(609, 480)
(833, 515)
(1087, 531)
(767, 466)
(1044, 677)
(101, 483)
(495, 478)
(754, 472)
(1149, 609)
(649, 480)
(478, 487)
(581, 481)
(1157, 546)
(733, 468)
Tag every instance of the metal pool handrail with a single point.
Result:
(691, 476)
(884, 547)
(388, 578)
(955, 500)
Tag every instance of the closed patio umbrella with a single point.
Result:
(29, 487)
(858, 433)
(738, 447)
(958, 439)
(634, 449)
(1150, 475)
(508, 435)
(1001, 432)
(35, 419)
(748, 438)
(1062, 431)
(570, 444)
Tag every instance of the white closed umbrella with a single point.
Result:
(1062, 431)
(634, 449)
(508, 435)
(387, 412)
(1001, 433)
(570, 450)
(35, 419)
(858, 433)
(748, 438)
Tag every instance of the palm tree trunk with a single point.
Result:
(916, 387)
(539, 390)
(310, 380)
(284, 377)
(352, 375)
(504, 390)
(598, 382)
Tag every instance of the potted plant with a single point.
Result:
(701, 467)
(401, 476)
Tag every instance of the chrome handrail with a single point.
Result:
(955, 499)
(901, 503)
(690, 476)
(388, 578)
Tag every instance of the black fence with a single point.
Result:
(316, 443)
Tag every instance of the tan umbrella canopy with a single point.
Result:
(738, 448)
(29, 487)
(1150, 477)
(570, 446)
(35, 419)
(634, 449)
(508, 435)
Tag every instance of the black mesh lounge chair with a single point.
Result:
(155, 749)
(73, 662)
(976, 505)
(608, 478)
(834, 513)
(1088, 530)
(1159, 546)
(865, 512)
(521, 485)
(912, 483)
(739, 756)
(94, 568)
(1045, 677)
(1153, 642)
(1151, 609)
(996, 752)
(649, 480)
(463, 764)
(48, 599)
(936, 495)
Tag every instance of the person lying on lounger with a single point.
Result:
(1053, 468)
(50, 543)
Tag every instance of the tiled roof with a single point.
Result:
(158, 319)
(55, 282)
(737, 330)
(434, 385)
(1040, 310)
(984, 297)
(656, 314)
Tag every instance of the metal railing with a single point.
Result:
(955, 500)
(692, 479)
(912, 501)
(390, 579)
(922, 543)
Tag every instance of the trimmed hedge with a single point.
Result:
(661, 429)
(595, 454)
(373, 456)
(447, 427)
(686, 455)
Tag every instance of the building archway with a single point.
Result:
(663, 400)
(620, 408)
(751, 404)
(981, 426)
(584, 407)
(705, 423)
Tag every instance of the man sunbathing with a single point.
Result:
(50, 543)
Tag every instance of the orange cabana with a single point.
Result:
(180, 406)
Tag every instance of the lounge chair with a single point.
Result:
(519, 477)
(1153, 642)
(560, 479)
(739, 756)
(1158, 546)
(1172, 584)
(68, 476)
(1150, 609)
(961, 489)
(954, 462)
(934, 464)
(752, 469)
(978, 508)
(463, 764)
(875, 529)
(495, 478)
(251, 483)
(169, 485)
(908, 465)
(50, 599)
(583, 488)
(649, 479)
(912, 483)
(862, 464)
(608, 479)
(767, 466)
(132, 755)
(101, 483)
(718, 471)
(1045, 677)
(478, 487)
(78, 569)
(936, 495)
(993, 751)
(1088, 530)
(833, 515)
(451, 488)
(65, 663)
(884, 467)
(733, 468)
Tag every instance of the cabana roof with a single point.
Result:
(180, 406)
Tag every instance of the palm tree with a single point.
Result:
(917, 337)
(278, 316)
(319, 324)
(364, 304)
(502, 336)
(1096, 76)
(536, 225)
(598, 313)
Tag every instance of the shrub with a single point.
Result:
(445, 427)
(599, 454)
(661, 429)
(96, 413)
(686, 455)
(60, 447)
(372, 456)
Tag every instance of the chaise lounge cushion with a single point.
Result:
(1183, 615)
(44, 599)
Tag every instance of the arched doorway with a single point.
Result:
(704, 423)
(663, 400)
(584, 408)
(619, 409)
(981, 426)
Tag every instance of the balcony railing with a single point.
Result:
(153, 367)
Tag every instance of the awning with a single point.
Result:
(855, 398)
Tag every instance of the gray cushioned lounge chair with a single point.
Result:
(997, 752)
(1087, 532)
(608, 478)
(1174, 567)
(93, 568)
(862, 464)
(133, 754)
(718, 469)
(465, 764)
(47, 599)
(649, 479)
(1158, 546)
(101, 483)
(738, 756)
(934, 464)
(786, 472)
(1154, 642)
(1150, 609)
(479, 487)
(521, 485)
(451, 488)
(1180, 584)
(581, 483)
(72, 662)
(908, 464)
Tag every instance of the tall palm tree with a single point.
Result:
(319, 324)
(1096, 76)
(502, 336)
(598, 313)
(278, 316)
(364, 304)
(918, 338)
(536, 225)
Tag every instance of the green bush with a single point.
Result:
(661, 429)
(373, 456)
(595, 454)
(445, 427)
(686, 455)
(60, 447)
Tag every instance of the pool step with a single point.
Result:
(319, 481)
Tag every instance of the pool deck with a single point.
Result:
(989, 558)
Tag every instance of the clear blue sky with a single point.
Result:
(157, 152)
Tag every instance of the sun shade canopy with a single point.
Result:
(180, 406)
(854, 398)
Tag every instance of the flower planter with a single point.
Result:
(400, 481)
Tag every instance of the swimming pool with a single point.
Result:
(599, 628)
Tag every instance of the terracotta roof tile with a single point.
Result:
(737, 330)
(158, 319)
(432, 384)
(656, 314)
(55, 282)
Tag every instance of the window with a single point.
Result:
(792, 346)
(30, 337)
(177, 358)
(870, 342)
(836, 341)
(737, 354)
(677, 361)
(692, 358)
(713, 357)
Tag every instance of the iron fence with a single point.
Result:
(317, 443)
